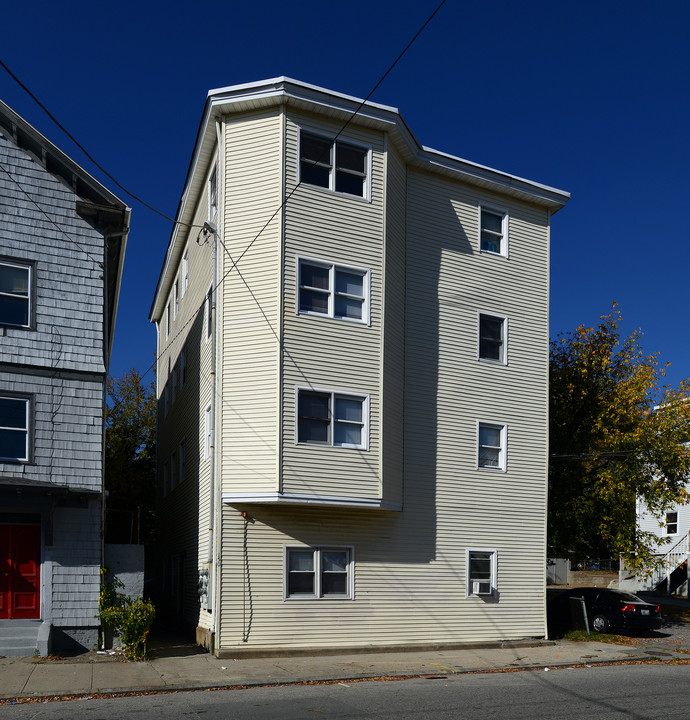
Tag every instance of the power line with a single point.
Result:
(97, 263)
(81, 147)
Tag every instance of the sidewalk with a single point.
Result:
(92, 673)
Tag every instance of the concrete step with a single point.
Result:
(19, 638)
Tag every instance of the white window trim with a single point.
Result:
(503, 454)
(207, 432)
(176, 297)
(364, 397)
(666, 523)
(26, 429)
(185, 272)
(331, 185)
(504, 337)
(317, 550)
(213, 179)
(182, 360)
(167, 321)
(181, 463)
(208, 308)
(494, 572)
(505, 229)
(333, 267)
(29, 298)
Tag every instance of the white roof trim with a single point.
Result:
(284, 90)
(276, 498)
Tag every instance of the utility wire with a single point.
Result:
(97, 263)
(82, 148)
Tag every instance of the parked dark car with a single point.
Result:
(607, 610)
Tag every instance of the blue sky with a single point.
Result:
(592, 98)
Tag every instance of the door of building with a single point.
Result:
(20, 571)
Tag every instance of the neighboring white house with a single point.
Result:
(352, 381)
(673, 531)
(62, 245)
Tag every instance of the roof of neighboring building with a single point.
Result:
(95, 202)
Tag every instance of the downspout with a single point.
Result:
(213, 592)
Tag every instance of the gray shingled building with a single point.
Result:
(62, 245)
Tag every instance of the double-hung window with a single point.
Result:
(492, 337)
(491, 442)
(14, 429)
(481, 572)
(176, 298)
(332, 418)
(185, 271)
(15, 294)
(209, 313)
(318, 573)
(671, 523)
(334, 164)
(181, 460)
(213, 193)
(330, 290)
(493, 232)
(208, 429)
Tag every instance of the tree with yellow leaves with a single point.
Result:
(616, 434)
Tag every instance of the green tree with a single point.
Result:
(130, 459)
(615, 435)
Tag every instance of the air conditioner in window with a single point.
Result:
(480, 587)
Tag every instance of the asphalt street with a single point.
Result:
(642, 692)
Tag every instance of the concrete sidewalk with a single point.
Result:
(93, 673)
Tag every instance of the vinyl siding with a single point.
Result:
(184, 513)
(251, 303)
(410, 574)
(331, 353)
(393, 330)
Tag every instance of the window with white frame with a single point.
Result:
(181, 461)
(167, 321)
(671, 523)
(14, 429)
(331, 290)
(207, 432)
(209, 313)
(176, 297)
(491, 441)
(185, 271)
(173, 472)
(493, 231)
(318, 573)
(326, 417)
(336, 165)
(183, 365)
(492, 337)
(213, 193)
(15, 294)
(481, 572)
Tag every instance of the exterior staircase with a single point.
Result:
(661, 578)
(23, 638)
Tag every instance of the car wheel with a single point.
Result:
(600, 623)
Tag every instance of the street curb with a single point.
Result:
(200, 687)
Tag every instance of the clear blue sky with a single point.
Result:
(592, 98)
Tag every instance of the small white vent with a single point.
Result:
(481, 588)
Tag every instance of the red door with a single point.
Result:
(20, 571)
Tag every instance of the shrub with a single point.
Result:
(130, 618)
